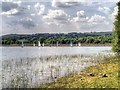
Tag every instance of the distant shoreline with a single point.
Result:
(54, 45)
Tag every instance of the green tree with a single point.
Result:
(116, 36)
(42, 39)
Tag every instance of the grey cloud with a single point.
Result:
(6, 6)
(22, 9)
(27, 24)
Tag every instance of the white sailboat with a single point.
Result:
(71, 44)
(43, 44)
(34, 44)
(22, 44)
(79, 44)
(57, 44)
(39, 44)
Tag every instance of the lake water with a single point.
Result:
(9, 53)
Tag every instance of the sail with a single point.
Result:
(39, 43)
(71, 44)
(22, 44)
(33, 44)
(79, 44)
(43, 44)
(57, 44)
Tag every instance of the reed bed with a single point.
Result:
(31, 72)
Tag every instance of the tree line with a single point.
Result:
(75, 38)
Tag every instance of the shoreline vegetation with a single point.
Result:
(54, 45)
(58, 38)
(103, 75)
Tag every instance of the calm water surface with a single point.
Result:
(9, 53)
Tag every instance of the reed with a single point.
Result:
(32, 72)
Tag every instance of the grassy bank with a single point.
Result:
(104, 75)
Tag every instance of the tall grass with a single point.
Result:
(103, 75)
(31, 72)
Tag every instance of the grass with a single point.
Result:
(104, 75)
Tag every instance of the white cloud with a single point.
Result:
(80, 13)
(26, 19)
(80, 17)
(10, 12)
(84, 22)
(55, 17)
(105, 10)
(29, 7)
(55, 14)
(26, 22)
(33, 14)
(40, 8)
(115, 11)
(81, 20)
(17, 2)
(7, 0)
(96, 19)
(88, 0)
(68, 3)
(64, 3)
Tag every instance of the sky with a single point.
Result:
(56, 16)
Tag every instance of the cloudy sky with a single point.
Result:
(57, 16)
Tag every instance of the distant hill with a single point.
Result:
(48, 38)
(48, 35)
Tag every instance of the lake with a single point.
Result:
(9, 53)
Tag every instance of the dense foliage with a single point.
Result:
(61, 38)
(116, 39)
